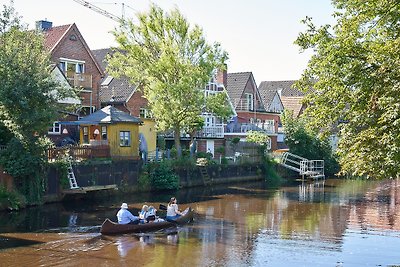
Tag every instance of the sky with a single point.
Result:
(258, 35)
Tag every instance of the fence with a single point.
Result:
(79, 152)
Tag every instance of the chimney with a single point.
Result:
(222, 76)
(43, 25)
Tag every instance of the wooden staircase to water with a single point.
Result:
(204, 174)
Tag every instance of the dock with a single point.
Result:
(87, 189)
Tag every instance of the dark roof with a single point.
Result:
(267, 96)
(100, 55)
(109, 115)
(286, 87)
(116, 89)
(236, 83)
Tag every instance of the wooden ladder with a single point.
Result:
(204, 174)
(71, 177)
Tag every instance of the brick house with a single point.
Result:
(74, 60)
(255, 111)
(69, 51)
(291, 100)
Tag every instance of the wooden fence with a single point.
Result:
(79, 152)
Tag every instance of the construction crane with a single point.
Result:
(99, 10)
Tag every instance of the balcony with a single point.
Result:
(268, 128)
(245, 127)
(245, 105)
(215, 131)
(79, 79)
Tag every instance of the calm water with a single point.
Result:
(336, 223)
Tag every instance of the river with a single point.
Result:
(331, 223)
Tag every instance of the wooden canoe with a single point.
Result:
(111, 228)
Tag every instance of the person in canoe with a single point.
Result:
(143, 214)
(124, 216)
(151, 214)
(173, 212)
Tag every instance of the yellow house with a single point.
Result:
(148, 129)
(111, 127)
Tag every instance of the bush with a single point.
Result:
(271, 176)
(11, 199)
(162, 176)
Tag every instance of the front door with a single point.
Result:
(210, 147)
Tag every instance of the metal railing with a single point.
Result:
(215, 131)
(245, 105)
(305, 167)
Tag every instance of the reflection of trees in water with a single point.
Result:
(379, 208)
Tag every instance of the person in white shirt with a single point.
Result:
(173, 212)
(124, 216)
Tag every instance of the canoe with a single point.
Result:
(111, 228)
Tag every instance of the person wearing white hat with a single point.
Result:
(124, 216)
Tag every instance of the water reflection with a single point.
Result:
(330, 223)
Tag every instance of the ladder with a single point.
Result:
(204, 175)
(71, 177)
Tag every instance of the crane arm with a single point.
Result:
(98, 10)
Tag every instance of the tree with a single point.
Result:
(27, 103)
(171, 62)
(355, 77)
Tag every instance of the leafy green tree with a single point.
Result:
(355, 77)
(172, 62)
(27, 103)
(257, 137)
(307, 144)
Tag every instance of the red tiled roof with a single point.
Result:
(53, 35)
(293, 103)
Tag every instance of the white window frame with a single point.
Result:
(55, 129)
(249, 101)
(104, 133)
(145, 113)
(77, 63)
(125, 138)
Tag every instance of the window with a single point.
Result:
(62, 66)
(55, 129)
(249, 102)
(103, 132)
(125, 138)
(85, 135)
(72, 66)
(269, 126)
(145, 113)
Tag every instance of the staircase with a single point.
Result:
(204, 174)
(306, 168)
(71, 177)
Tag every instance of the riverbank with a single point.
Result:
(101, 179)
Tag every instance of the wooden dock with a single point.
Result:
(87, 189)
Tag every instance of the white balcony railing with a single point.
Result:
(215, 131)
(268, 128)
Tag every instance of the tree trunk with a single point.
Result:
(177, 139)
